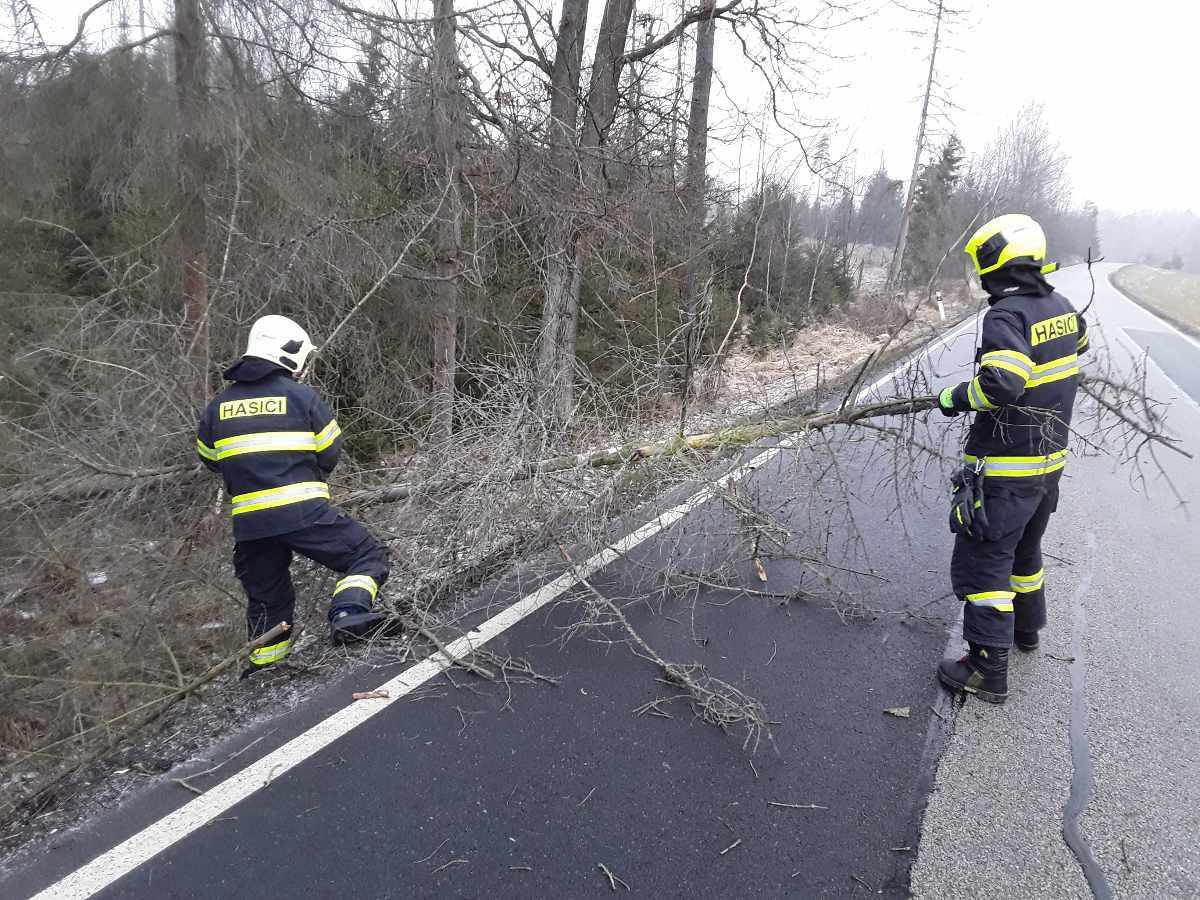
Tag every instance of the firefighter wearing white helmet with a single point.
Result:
(279, 340)
(1022, 397)
(275, 442)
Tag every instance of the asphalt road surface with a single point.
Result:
(459, 787)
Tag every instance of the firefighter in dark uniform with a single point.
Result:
(274, 441)
(1022, 398)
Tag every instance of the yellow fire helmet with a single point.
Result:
(1014, 239)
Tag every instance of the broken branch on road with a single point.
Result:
(713, 700)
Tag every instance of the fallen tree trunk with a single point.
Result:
(732, 436)
(88, 487)
(1112, 397)
(742, 435)
(113, 480)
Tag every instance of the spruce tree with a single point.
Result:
(931, 230)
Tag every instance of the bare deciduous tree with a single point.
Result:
(193, 156)
(693, 281)
(906, 216)
(447, 231)
(556, 341)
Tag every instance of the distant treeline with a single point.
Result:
(1168, 240)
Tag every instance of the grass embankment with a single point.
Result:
(1173, 295)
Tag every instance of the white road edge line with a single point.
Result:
(1137, 353)
(174, 827)
(1155, 316)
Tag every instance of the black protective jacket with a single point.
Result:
(1028, 362)
(274, 441)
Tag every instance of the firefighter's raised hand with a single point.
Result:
(946, 402)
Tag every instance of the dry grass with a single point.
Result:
(1173, 295)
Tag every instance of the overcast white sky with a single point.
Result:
(1120, 83)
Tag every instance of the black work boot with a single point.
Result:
(982, 672)
(351, 624)
(1026, 640)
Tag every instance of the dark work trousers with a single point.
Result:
(1001, 577)
(334, 540)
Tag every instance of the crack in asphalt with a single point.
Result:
(940, 723)
(1081, 762)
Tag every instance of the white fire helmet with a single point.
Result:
(280, 340)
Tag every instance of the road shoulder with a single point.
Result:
(994, 821)
(1172, 296)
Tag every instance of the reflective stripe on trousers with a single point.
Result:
(1001, 601)
(359, 582)
(1027, 584)
(272, 653)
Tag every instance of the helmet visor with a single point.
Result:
(988, 253)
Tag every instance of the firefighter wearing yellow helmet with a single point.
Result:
(275, 443)
(1022, 397)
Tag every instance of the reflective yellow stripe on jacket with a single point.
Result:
(206, 451)
(1010, 361)
(265, 441)
(326, 436)
(280, 496)
(977, 398)
(1055, 370)
(1021, 466)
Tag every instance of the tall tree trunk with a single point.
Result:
(447, 230)
(599, 113)
(677, 100)
(192, 163)
(902, 237)
(693, 279)
(603, 92)
(787, 251)
(556, 342)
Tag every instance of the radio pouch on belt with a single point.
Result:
(968, 515)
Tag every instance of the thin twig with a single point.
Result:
(391, 270)
(613, 879)
(795, 805)
(184, 782)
